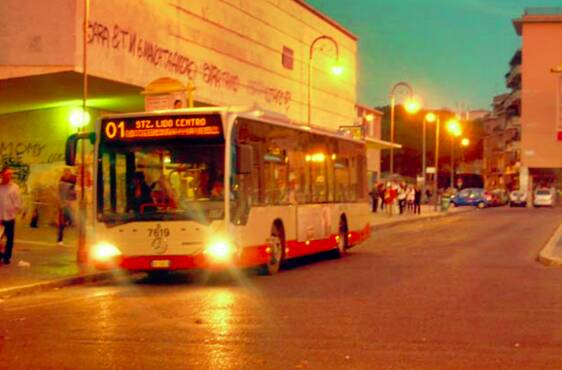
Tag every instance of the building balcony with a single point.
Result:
(513, 78)
(513, 100)
(514, 122)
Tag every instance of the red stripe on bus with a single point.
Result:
(250, 256)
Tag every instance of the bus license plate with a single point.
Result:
(160, 264)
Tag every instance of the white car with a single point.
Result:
(543, 197)
(518, 198)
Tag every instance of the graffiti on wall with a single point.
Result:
(132, 43)
(21, 169)
(19, 149)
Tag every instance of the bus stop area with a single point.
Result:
(40, 263)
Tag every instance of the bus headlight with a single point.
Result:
(220, 250)
(105, 252)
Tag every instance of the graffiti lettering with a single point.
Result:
(120, 38)
(55, 157)
(216, 77)
(271, 95)
(98, 33)
(21, 169)
(18, 149)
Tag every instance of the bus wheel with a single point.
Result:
(276, 244)
(342, 240)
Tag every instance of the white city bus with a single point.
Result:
(210, 188)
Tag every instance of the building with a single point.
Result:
(541, 97)
(502, 142)
(276, 55)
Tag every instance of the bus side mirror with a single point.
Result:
(244, 159)
(72, 143)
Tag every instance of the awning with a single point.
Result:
(381, 144)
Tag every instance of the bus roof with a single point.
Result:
(254, 113)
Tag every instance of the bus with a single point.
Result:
(216, 188)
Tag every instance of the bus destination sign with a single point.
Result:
(162, 127)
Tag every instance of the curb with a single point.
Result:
(546, 255)
(389, 225)
(57, 283)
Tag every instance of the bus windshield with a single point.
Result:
(160, 181)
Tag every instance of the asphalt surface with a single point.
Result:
(462, 292)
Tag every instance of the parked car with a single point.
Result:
(543, 197)
(472, 197)
(518, 198)
(499, 197)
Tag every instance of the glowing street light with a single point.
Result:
(455, 130)
(412, 107)
(431, 118)
(337, 69)
(465, 142)
(79, 118)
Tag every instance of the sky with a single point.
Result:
(454, 53)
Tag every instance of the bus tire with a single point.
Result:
(276, 244)
(343, 242)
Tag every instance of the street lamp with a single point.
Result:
(432, 117)
(82, 251)
(411, 106)
(336, 69)
(455, 130)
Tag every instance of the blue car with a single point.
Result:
(477, 197)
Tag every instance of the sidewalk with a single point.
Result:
(551, 254)
(40, 263)
(381, 220)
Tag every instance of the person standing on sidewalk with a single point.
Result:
(401, 197)
(389, 197)
(67, 194)
(410, 197)
(10, 205)
(417, 200)
(374, 194)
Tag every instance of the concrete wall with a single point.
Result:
(231, 49)
(37, 36)
(541, 95)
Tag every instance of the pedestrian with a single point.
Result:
(401, 197)
(374, 194)
(389, 197)
(410, 197)
(67, 195)
(381, 195)
(10, 205)
(417, 200)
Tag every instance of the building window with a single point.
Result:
(287, 57)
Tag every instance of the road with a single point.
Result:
(462, 292)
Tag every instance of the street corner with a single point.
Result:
(551, 253)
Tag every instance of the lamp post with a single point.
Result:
(82, 251)
(411, 107)
(336, 69)
(455, 130)
(432, 117)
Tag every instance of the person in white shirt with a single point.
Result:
(10, 205)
